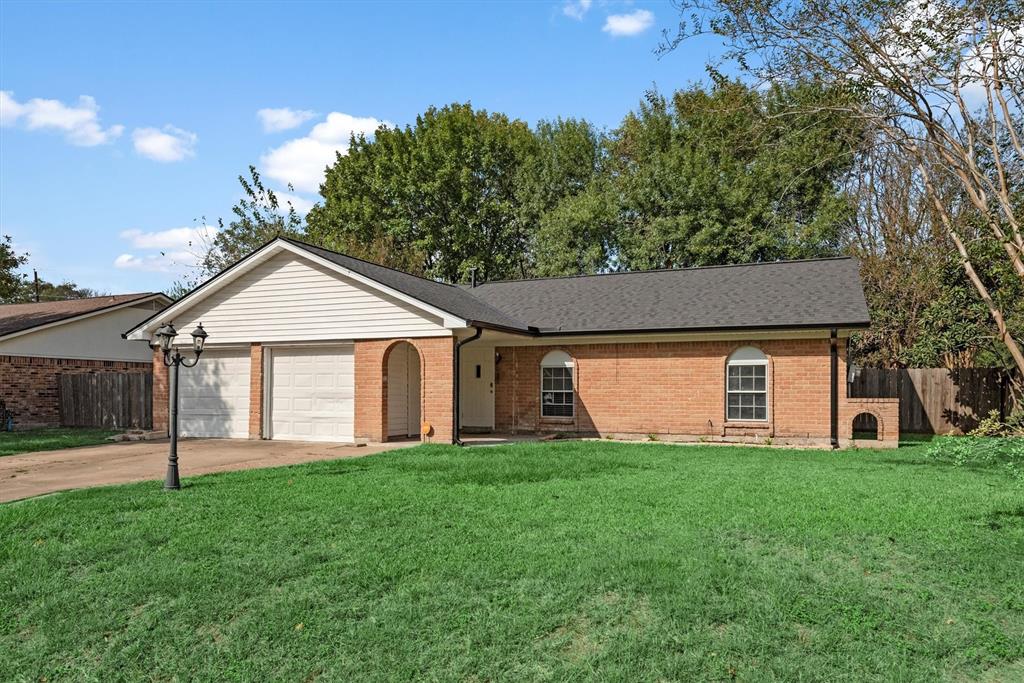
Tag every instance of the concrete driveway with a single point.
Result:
(33, 474)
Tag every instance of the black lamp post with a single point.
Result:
(174, 360)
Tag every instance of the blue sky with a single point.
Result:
(123, 124)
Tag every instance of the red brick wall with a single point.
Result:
(671, 388)
(161, 394)
(29, 385)
(436, 363)
(256, 391)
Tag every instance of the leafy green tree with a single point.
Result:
(258, 218)
(941, 81)
(10, 261)
(729, 175)
(436, 198)
(563, 197)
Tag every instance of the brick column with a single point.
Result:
(436, 363)
(256, 391)
(161, 393)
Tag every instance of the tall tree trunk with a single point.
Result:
(997, 315)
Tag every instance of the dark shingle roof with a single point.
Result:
(450, 298)
(812, 293)
(21, 317)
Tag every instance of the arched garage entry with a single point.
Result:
(403, 382)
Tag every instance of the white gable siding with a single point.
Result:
(289, 298)
(97, 337)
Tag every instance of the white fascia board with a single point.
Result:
(145, 330)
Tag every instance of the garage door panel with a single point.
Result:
(312, 394)
(214, 395)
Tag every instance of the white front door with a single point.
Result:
(476, 388)
(312, 394)
(214, 395)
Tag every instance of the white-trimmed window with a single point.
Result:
(557, 396)
(746, 388)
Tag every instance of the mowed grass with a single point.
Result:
(28, 441)
(534, 562)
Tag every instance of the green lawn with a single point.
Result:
(536, 562)
(12, 443)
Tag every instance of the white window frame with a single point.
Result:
(748, 356)
(558, 360)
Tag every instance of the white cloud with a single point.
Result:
(576, 9)
(164, 144)
(167, 262)
(79, 123)
(177, 249)
(301, 162)
(630, 24)
(174, 238)
(275, 120)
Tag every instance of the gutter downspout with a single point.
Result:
(834, 386)
(455, 385)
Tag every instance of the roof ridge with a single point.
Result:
(455, 288)
(368, 262)
(660, 270)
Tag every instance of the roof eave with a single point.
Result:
(548, 332)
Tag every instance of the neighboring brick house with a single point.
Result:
(41, 341)
(309, 344)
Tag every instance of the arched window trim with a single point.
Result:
(746, 385)
(557, 386)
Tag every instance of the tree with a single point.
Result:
(562, 198)
(711, 176)
(259, 218)
(10, 262)
(435, 199)
(943, 81)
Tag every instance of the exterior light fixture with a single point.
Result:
(173, 359)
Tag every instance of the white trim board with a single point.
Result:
(145, 330)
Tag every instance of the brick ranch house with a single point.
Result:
(310, 344)
(39, 342)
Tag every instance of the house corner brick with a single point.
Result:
(256, 393)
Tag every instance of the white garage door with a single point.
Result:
(214, 395)
(312, 394)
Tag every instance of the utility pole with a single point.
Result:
(35, 280)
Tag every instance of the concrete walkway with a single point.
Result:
(33, 474)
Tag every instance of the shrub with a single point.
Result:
(980, 451)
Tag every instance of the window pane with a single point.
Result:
(556, 392)
(747, 392)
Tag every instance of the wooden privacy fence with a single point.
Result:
(936, 400)
(115, 400)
